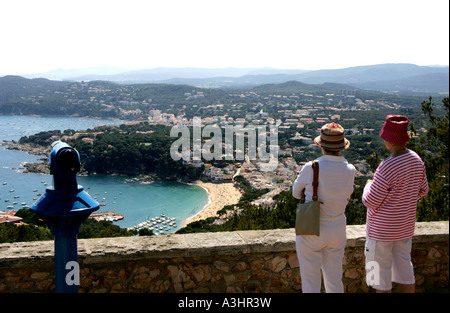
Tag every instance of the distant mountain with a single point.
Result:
(127, 76)
(426, 83)
(246, 81)
(13, 87)
(292, 87)
(72, 74)
(41, 96)
(358, 74)
(403, 78)
(385, 77)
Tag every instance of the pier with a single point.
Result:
(106, 216)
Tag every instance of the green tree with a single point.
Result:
(92, 228)
(438, 133)
(355, 212)
(9, 232)
(373, 160)
(434, 150)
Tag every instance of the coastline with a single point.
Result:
(219, 195)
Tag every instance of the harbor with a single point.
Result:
(12, 198)
(106, 216)
(122, 201)
(135, 199)
(159, 225)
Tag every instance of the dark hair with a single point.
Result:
(332, 152)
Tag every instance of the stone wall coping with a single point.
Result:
(188, 245)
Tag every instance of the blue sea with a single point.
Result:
(135, 200)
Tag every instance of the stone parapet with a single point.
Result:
(239, 261)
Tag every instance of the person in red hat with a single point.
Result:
(391, 201)
(323, 255)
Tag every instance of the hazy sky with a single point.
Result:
(42, 35)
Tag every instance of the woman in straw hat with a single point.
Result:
(336, 177)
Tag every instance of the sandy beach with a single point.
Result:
(219, 195)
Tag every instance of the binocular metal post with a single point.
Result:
(64, 206)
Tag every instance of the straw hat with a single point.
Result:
(332, 138)
(395, 129)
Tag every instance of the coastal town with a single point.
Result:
(296, 115)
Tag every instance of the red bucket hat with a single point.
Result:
(395, 129)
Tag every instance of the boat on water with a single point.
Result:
(158, 224)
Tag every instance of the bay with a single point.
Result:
(135, 200)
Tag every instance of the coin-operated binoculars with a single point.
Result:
(64, 206)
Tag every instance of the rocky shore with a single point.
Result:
(38, 167)
(30, 148)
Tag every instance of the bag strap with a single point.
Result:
(315, 184)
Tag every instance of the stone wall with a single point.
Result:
(240, 261)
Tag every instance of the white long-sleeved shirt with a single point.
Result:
(336, 178)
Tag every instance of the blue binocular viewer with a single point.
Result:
(64, 206)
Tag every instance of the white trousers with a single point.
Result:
(323, 255)
(391, 262)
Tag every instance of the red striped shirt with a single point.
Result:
(391, 199)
